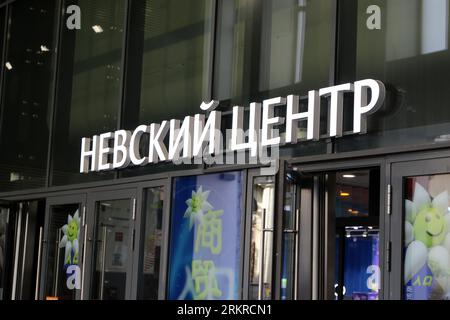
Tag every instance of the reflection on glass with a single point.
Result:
(89, 90)
(112, 236)
(148, 283)
(63, 280)
(172, 40)
(27, 94)
(205, 237)
(427, 238)
(409, 49)
(261, 246)
(356, 232)
(271, 47)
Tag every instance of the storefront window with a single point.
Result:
(270, 48)
(148, 283)
(205, 242)
(406, 47)
(89, 85)
(427, 238)
(27, 94)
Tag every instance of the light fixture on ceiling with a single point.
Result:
(349, 176)
(97, 28)
(8, 66)
(44, 48)
(344, 194)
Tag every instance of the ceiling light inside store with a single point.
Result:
(349, 176)
(8, 66)
(44, 48)
(345, 194)
(97, 29)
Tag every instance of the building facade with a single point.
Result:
(347, 213)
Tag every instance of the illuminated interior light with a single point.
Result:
(349, 176)
(345, 194)
(97, 29)
(8, 65)
(44, 48)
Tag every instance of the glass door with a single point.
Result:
(112, 240)
(151, 241)
(339, 250)
(260, 230)
(421, 230)
(28, 222)
(64, 247)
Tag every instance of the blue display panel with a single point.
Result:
(205, 238)
(361, 267)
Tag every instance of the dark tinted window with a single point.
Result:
(27, 94)
(89, 93)
(168, 67)
(270, 48)
(410, 54)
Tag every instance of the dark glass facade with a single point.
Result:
(144, 62)
(27, 94)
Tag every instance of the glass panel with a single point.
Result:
(261, 246)
(270, 48)
(148, 282)
(63, 277)
(111, 252)
(410, 54)
(356, 234)
(89, 85)
(27, 94)
(427, 238)
(172, 41)
(205, 242)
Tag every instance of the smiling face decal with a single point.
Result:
(430, 227)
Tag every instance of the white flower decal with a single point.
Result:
(197, 206)
(427, 236)
(69, 241)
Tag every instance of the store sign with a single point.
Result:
(200, 137)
